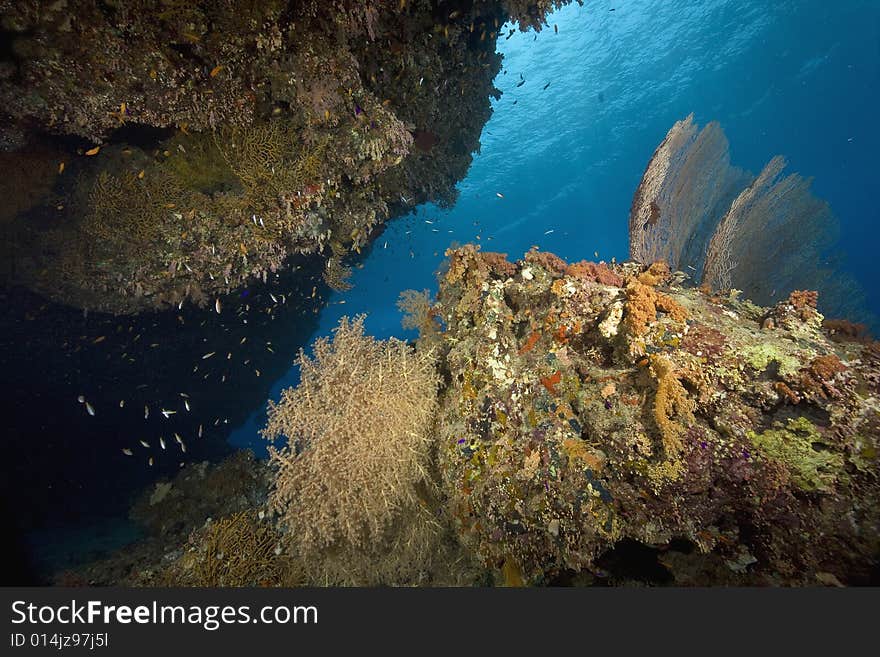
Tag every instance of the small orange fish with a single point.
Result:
(216, 70)
(61, 168)
(141, 175)
(93, 151)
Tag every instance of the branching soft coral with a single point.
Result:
(642, 304)
(358, 442)
(673, 409)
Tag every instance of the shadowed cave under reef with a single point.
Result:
(201, 144)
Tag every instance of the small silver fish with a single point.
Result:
(272, 296)
(81, 399)
(183, 448)
(146, 411)
(217, 306)
(180, 306)
(90, 409)
(161, 442)
(150, 461)
(184, 395)
(499, 194)
(208, 355)
(126, 451)
(547, 232)
(200, 431)
(178, 438)
(186, 404)
(168, 413)
(144, 443)
(261, 223)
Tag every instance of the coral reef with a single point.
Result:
(658, 417)
(205, 142)
(766, 235)
(188, 521)
(553, 424)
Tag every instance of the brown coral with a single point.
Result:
(643, 303)
(592, 271)
(548, 261)
(843, 330)
(657, 274)
(817, 379)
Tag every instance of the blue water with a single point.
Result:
(797, 78)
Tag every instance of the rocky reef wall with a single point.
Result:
(161, 151)
(590, 406)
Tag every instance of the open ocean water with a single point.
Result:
(583, 108)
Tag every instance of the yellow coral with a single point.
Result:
(238, 550)
(126, 211)
(672, 408)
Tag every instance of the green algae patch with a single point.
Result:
(760, 356)
(801, 447)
